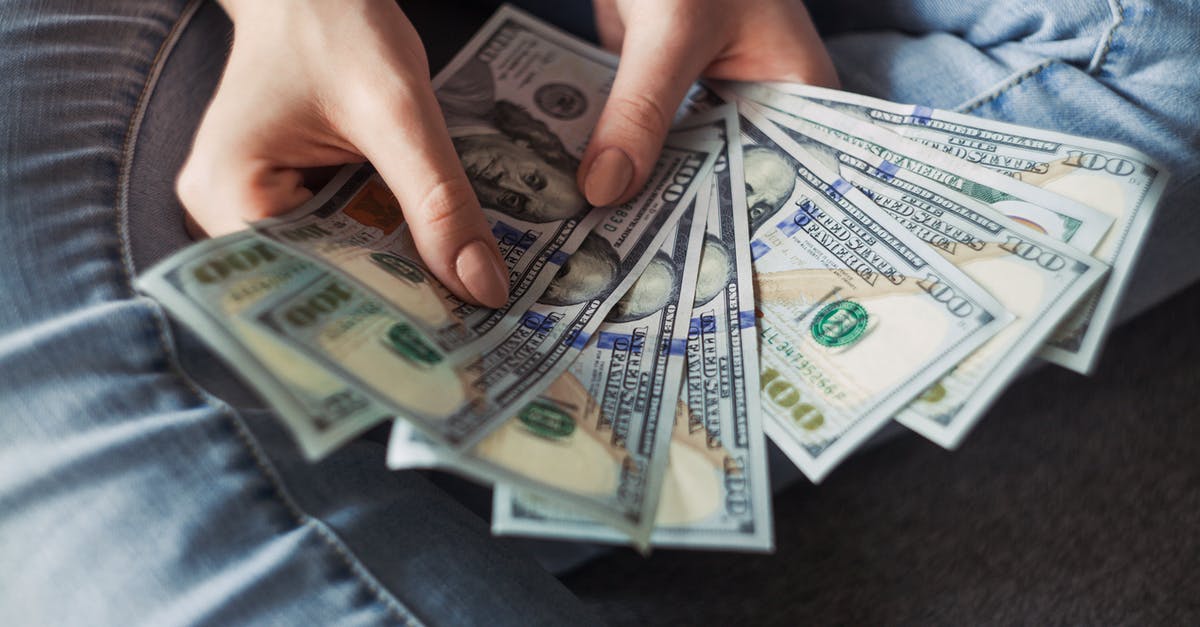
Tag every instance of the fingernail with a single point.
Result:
(482, 273)
(608, 177)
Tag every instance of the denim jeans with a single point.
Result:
(140, 483)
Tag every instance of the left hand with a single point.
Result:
(665, 45)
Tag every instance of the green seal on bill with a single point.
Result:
(547, 420)
(409, 343)
(839, 324)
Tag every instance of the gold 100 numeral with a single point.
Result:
(786, 396)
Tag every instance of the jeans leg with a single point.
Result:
(128, 492)
(1120, 70)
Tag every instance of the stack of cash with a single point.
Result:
(804, 264)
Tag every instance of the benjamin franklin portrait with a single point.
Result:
(515, 163)
(716, 269)
(589, 273)
(770, 180)
(654, 290)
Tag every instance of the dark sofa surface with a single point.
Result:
(1075, 501)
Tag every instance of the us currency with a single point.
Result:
(1034, 277)
(716, 492)
(381, 350)
(1117, 180)
(595, 443)
(856, 315)
(355, 225)
(520, 102)
(1061, 218)
(207, 285)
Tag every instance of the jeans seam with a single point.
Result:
(383, 596)
(1101, 57)
(1004, 87)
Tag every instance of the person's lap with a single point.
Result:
(127, 491)
(131, 490)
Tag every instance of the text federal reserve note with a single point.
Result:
(1036, 278)
(857, 316)
(1122, 182)
(717, 492)
(457, 397)
(595, 442)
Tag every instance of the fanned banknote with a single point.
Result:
(1117, 180)
(1061, 218)
(796, 268)
(857, 316)
(208, 285)
(355, 226)
(595, 442)
(457, 398)
(716, 493)
(1036, 278)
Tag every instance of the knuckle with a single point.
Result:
(360, 113)
(641, 115)
(388, 91)
(448, 207)
(192, 184)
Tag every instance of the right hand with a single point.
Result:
(315, 83)
(665, 46)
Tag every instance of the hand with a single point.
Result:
(317, 83)
(665, 45)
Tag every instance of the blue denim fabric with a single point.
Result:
(1120, 70)
(139, 482)
(128, 493)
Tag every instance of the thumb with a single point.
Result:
(416, 159)
(653, 76)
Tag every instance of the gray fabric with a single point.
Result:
(1076, 501)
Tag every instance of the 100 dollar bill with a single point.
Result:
(857, 316)
(1117, 180)
(457, 398)
(595, 442)
(355, 226)
(520, 102)
(1034, 277)
(716, 492)
(1062, 218)
(209, 284)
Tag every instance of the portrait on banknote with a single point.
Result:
(770, 179)
(655, 289)
(587, 274)
(515, 163)
(716, 269)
